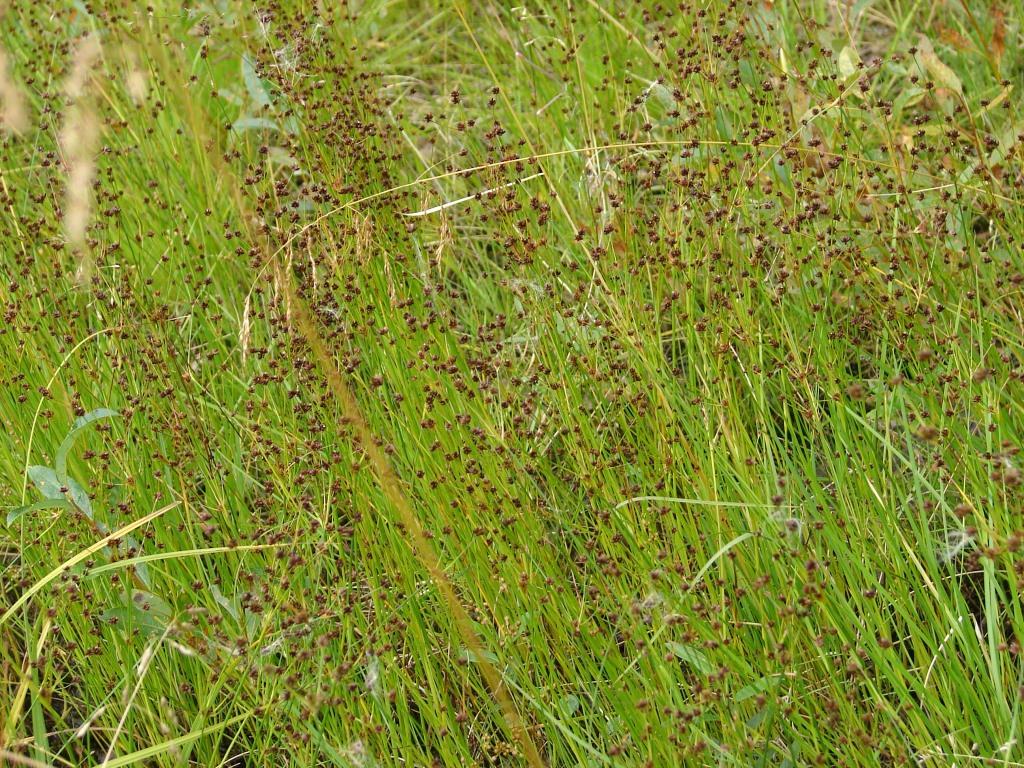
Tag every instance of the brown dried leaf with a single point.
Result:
(940, 72)
(13, 107)
(998, 43)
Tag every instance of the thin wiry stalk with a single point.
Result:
(389, 481)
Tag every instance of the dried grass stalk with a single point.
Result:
(78, 140)
(13, 108)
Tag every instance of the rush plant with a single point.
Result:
(396, 383)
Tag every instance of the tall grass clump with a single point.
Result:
(401, 383)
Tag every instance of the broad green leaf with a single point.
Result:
(125, 616)
(224, 602)
(18, 512)
(690, 655)
(723, 124)
(143, 610)
(1007, 143)
(147, 602)
(613, 726)
(230, 96)
(848, 62)
(569, 705)
(782, 173)
(795, 748)
(81, 423)
(755, 720)
(908, 97)
(79, 497)
(755, 688)
(664, 95)
(84, 554)
(257, 89)
(115, 495)
(282, 157)
(94, 415)
(45, 481)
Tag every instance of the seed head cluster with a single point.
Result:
(689, 335)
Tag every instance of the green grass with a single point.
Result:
(478, 385)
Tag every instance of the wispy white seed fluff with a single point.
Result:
(13, 109)
(78, 139)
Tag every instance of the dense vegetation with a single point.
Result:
(468, 384)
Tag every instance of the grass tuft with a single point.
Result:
(397, 383)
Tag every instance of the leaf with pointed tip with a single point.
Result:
(693, 657)
(940, 72)
(254, 84)
(224, 602)
(81, 423)
(18, 512)
(755, 688)
(569, 704)
(78, 496)
(755, 720)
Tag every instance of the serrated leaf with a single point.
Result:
(46, 482)
(690, 655)
(19, 512)
(254, 84)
